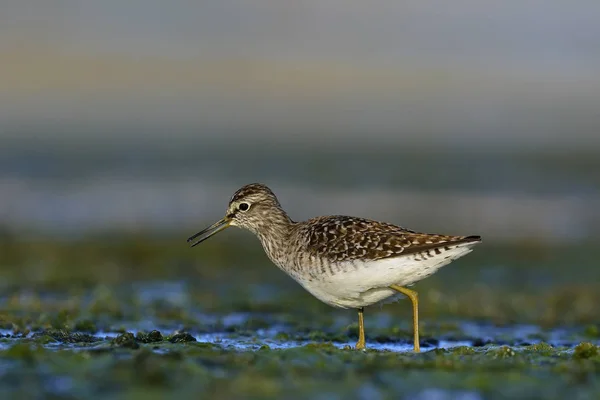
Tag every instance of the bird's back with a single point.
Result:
(341, 238)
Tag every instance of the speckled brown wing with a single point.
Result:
(341, 238)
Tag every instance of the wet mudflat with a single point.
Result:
(146, 317)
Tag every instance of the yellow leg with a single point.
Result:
(361, 344)
(414, 298)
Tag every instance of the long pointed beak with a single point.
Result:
(208, 232)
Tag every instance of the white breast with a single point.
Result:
(367, 282)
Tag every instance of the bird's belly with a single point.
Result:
(357, 284)
(341, 297)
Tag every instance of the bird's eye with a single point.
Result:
(244, 206)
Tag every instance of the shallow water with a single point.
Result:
(505, 322)
(60, 363)
(278, 337)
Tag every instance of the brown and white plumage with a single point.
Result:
(344, 261)
(350, 262)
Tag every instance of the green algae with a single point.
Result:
(86, 325)
(312, 368)
(541, 348)
(66, 336)
(273, 340)
(182, 337)
(151, 337)
(126, 340)
(27, 352)
(592, 331)
(463, 351)
(586, 350)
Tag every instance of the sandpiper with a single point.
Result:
(345, 262)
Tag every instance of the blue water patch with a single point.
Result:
(475, 335)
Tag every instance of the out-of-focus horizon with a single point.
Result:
(462, 117)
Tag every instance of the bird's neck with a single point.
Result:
(273, 233)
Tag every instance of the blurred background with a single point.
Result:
(134, 122)
(125, 127)
(469, 117)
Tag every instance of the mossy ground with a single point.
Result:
(146, 317)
